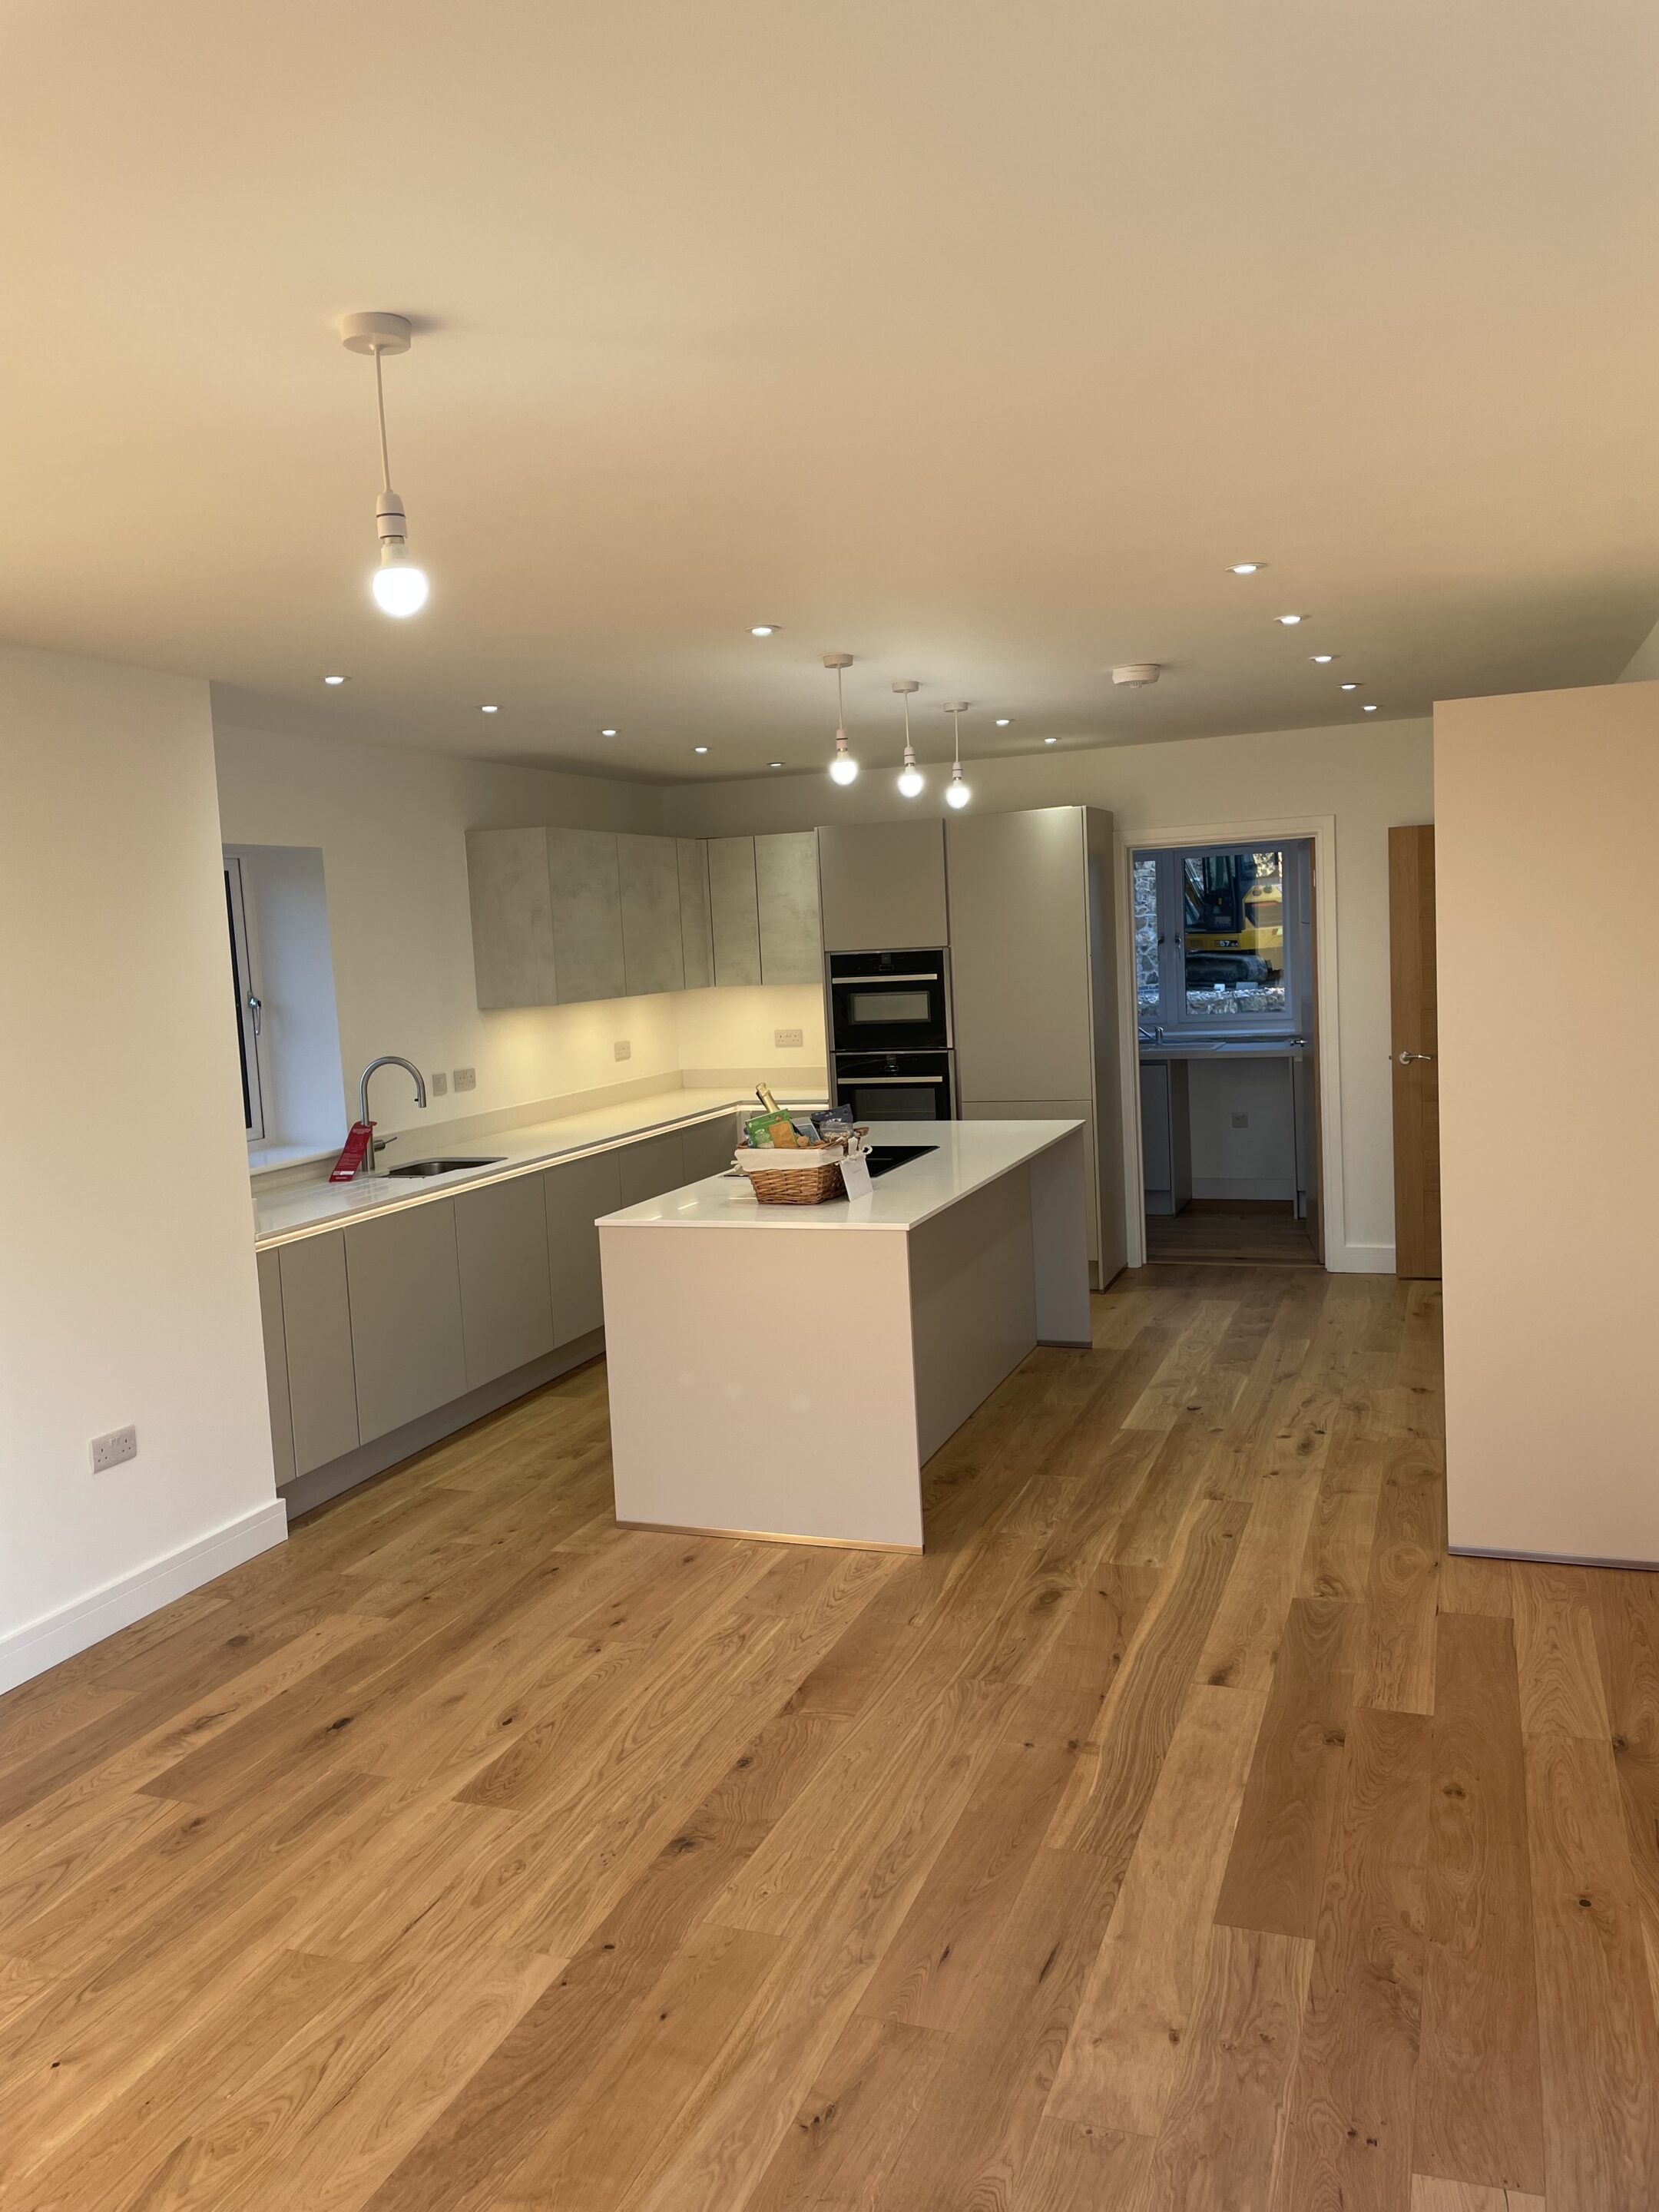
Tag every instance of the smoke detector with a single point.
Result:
(1137, 675)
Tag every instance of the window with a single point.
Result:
(246, 1008)
(1212, 950)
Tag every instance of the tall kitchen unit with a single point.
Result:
(1034, 985)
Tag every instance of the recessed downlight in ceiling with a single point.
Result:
(607, 734)
(1051, 741)
(1368, 709)
(1247, 567)
(699, 749)
(1290, 620)
(1322, 658)
(334, 679)
(1003, 720)
(490, 710)
(1347, 687)
(765, 630)
(775, 764)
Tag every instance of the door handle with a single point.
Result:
(1407, 1058)
(853, 1082)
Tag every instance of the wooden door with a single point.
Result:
(1414, 1050)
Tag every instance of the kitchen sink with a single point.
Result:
(424, 1168)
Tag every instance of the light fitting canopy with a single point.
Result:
(843, 769)
(399, 585)
(911, 779)
(957, 793)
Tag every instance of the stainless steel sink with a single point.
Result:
(424, 1168)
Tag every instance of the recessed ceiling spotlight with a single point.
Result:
(1247, 567)
(1051, 741)
(607, 734)
(334, 679)
(1347, 687)
(1322, 658)
(765, 630)
(1368, 709)
(490, 710)
(1289, 621)
(699, 749)
(1003, 720)
(775, 764)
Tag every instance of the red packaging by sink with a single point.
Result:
(356, 1148)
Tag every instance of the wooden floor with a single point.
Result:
(1182, 1831)
(1218, 1233)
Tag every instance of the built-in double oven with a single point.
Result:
(890, 1030)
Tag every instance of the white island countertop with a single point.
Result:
(305, 1209)
(965, 1157)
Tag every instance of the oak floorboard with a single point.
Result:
(1478, 2088)
(856, 1864)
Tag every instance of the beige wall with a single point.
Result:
(1366, 778)
(127, 1288)
(1549, 1075)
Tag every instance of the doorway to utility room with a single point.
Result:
(1225, 1003)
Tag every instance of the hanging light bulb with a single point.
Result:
(843, 769)
(910, 776)
(957, 793)
(399, 585)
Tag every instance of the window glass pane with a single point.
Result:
(1233, 925)
(1146, 970)
(890, 1005)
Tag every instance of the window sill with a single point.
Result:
(265, 1159)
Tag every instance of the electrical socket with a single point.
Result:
(783, 1039)
(440, 1084)
(119, 1445)
(1240, 1121)
(623, 1049)
(466, 1078)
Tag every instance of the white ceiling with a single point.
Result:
(975, 340)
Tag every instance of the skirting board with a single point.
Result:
(307, 1492)
(1551, 1559)
(39, 1644)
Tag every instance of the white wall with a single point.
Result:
(391, 825)
(1256, 1161)
(1549, 1072)
(1367, 778)
(127, 1285)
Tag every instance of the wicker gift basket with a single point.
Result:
(806, 1176)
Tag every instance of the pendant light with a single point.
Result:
(910, 776)
(957, 793)
(843, 769)
(399, 585)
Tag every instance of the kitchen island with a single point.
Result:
(786, 1371)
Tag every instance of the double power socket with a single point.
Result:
(112, 1450)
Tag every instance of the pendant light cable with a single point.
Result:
(379, 408)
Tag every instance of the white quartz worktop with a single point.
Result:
(966, 1155)
(307, 1208)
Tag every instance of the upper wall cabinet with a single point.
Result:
(585, 881)
(566, 915)
(654, 956)
(512, 917)
(883, 886)
(787, 890)
(696, 935)
(734, 910)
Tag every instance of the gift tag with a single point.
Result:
(855, 1175)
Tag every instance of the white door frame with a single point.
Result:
(1319, 830)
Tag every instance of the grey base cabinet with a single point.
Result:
(506, 1305)
(708, 1146)
(574, 1196)
(652, 1166)
(322, 1390)
(270, 1265)
(407, 1343)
